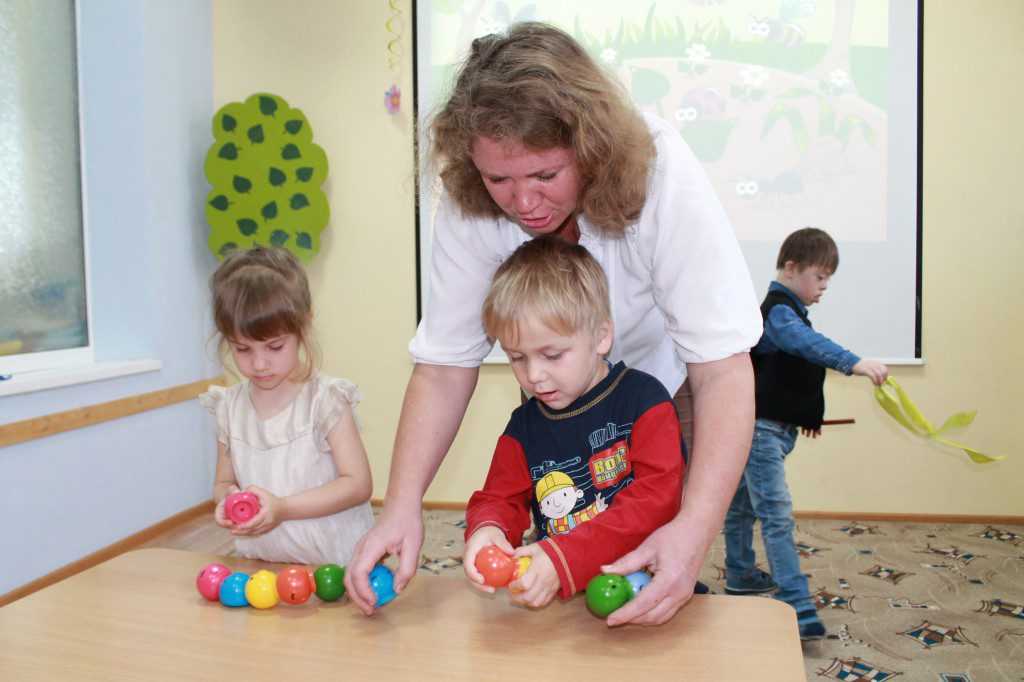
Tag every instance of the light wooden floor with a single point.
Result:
(200, 534)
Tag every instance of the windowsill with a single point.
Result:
(26, 382)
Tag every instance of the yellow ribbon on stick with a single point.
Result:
(905, 412)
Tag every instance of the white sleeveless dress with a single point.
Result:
(287, 454)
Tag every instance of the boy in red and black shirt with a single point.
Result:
(594, 458)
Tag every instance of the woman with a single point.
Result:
(535, 139)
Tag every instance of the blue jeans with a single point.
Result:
(763, 494)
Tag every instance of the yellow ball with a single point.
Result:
(261, 590)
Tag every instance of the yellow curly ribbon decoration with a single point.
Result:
(905, 412)
(394, 27)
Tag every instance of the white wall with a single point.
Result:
(147, 104)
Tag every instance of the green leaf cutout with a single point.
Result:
(290, 151)
(227, 124)
(269, 211)
(229, 151)
(241, 184)
(255, 134)
(278, 237)
(304, 240)
(227, 248)
(293, 126)
(304, 174)
(276, 176)
(267, 105)
(299, 201)
(247, 226)
(219, 202)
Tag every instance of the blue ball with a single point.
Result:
(382, 581)
(232, 590)
(638, 581)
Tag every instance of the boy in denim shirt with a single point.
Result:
(789, 371)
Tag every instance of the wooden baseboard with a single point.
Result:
(129, 543)
(979, 519)
(48, 425)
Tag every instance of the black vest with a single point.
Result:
(788, 388)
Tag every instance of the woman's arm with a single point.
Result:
(435, 403)
(723, 393)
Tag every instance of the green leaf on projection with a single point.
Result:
(299, 201)
(278, 237)
(304, 174)
(255, 134)
(241, 184)
(267, 105)
(276, 176)
(293, 126)
(228, 123)
(227, 248)
(247, 226)
(304, 240)
(290, 152)
(229, 151)
(269, 211)
(219, 202)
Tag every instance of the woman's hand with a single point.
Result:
(269, 517)
(540, 584)
(399, 530)
(484, 536)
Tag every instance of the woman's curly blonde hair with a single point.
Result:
(536, 85)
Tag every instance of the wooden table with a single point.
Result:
(139, 617)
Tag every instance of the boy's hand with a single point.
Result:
(482, 537)
(269, 517)
(539, 585)
(219, 516)
(872, 369)
(810, 433)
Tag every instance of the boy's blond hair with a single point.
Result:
(556, 282)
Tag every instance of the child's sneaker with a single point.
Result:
(811, 627)
(755, 582)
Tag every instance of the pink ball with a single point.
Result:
(240, 507)
(209, 579)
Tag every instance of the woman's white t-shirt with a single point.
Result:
(679, 285)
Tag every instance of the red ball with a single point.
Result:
(295, 584)
(209, 579)
(495, 566)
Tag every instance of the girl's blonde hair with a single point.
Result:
(260, 293)
(536, 85)
(551, 280)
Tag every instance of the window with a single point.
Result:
(44, 321)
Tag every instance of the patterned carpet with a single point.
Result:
(917, 601)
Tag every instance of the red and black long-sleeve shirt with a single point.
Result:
(616, 451)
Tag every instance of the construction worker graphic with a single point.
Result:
(556, 496)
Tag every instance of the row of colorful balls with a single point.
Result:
(294, 585)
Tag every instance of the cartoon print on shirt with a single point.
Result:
(556, 497)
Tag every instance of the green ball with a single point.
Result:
(605, 593)
(330, 582)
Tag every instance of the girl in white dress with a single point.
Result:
(286, 433)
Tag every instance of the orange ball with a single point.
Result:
(295, 585)
(495, 566)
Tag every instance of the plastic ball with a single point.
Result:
(330, 582)
(606, 593)
(382, 582)
(295, 584)
(209, 579)
(495, 566)
(522, 566)
(261, 590)
(240, 507)
(232, 590)
(638, 581)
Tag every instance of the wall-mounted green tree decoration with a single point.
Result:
(266, 174)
